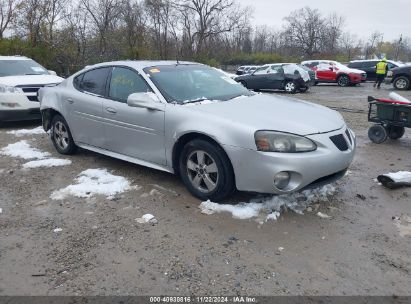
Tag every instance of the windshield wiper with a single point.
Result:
(195, 100)
(32, 74)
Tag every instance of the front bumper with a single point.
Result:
(23, 108)
(20, 115)
(255, 171)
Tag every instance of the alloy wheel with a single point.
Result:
(202, 171)
(61, 136)
(401, 84)
(290, 87)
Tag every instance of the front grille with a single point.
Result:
(340, 142)
(31, 91)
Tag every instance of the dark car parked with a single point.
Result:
(288, 77)
(369, 66)
(401, 77)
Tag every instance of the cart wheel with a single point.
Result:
(377, 134)
(395, 132)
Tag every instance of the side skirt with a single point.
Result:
(126, 158)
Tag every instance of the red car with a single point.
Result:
(328, 71)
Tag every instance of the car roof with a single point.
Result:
(368, 60)
(142, 64)
(14, 58)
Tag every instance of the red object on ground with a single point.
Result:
(392, 101)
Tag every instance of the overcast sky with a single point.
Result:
(363, 17)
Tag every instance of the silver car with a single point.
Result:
(194, 121)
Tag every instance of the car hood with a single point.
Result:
(277, 113)
(30, 79)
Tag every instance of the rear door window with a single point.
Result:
(93, 81)
(125, 82)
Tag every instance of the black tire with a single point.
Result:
(304, 89)
(61, 136)
(223, 180)
(377, 134)
(316, 83)
(290, 87)
(243, 83)
(401, 83)
(395, 132)
(343, 81)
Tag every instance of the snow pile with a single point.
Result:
(23, 149)
(93, 182)
(22, 132)
(50, 162)
(269, 208)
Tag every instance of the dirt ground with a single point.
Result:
(102, 250)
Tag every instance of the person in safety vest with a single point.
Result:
(381, 70)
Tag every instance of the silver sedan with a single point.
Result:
(195, 121)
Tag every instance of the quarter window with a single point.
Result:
(125, 82)
(93, 81)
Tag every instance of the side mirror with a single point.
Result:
(145, 100)
(52, 72)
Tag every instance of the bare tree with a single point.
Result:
(304, 30)
(8, 9)
(212, 18)
(104, 14)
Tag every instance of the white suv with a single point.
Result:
(20, 79)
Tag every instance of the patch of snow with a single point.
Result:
(1, 210)
(57, 230)
(146, 218)
(22, 132)
(323, 215)
(269, 208)
(23, 149)
(49, 162)
(93, 182)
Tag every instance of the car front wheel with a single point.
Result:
(206, 170)
(402, 83)
(61, 136)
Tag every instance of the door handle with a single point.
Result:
(111, 110)
(69, 100)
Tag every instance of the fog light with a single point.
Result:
(281, 180)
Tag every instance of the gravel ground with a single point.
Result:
(102, 250)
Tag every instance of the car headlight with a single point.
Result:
(9, 89)
(271, 141)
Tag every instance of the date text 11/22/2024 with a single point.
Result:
(176, 299)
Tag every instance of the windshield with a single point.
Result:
(194, 82)
(21, 67)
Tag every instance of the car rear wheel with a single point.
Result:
(402, 83)
(377, 134)
(290, 87)
(206, 170)
(343, 81)
(395, 132)
(61, 136)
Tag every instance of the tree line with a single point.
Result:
(65, 36)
